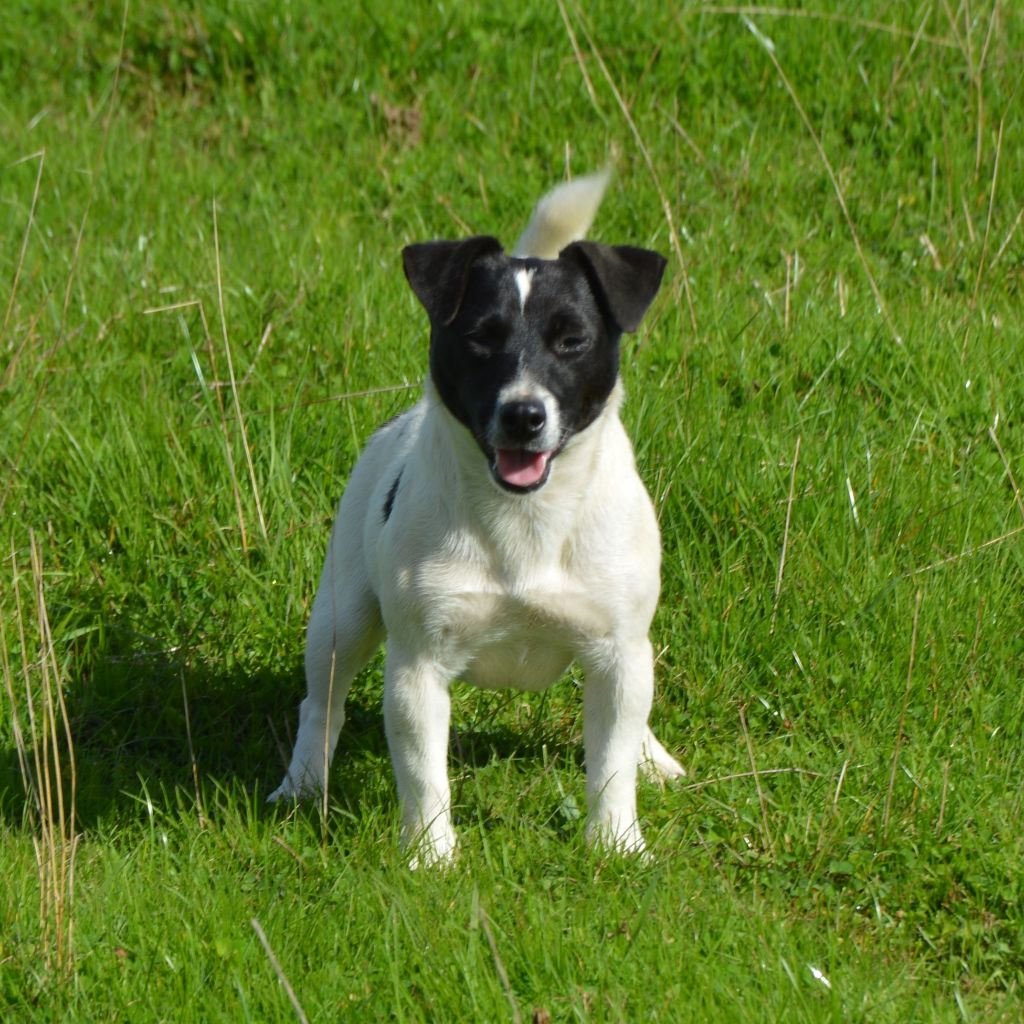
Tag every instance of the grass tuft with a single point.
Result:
(41, 732)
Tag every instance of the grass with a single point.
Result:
(203, 318)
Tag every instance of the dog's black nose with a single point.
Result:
(523, 420)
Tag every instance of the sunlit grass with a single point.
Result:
(838, 490)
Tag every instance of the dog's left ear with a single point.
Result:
(624, 277)
(439, 271)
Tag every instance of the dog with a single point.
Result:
(498, 531)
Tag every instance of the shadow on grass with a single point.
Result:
(132, 738)
(131, 734)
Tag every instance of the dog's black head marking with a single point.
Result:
(514, 336)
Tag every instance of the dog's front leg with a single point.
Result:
(617, 694)
(417, 709)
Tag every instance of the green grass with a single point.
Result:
(853, 725)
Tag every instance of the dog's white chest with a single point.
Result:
(523, 646)
(498, 634)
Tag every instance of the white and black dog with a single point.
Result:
(498, 530)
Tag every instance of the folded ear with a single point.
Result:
(623, 277)
(438, 272)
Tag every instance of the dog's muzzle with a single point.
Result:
(522, 452)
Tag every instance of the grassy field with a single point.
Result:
(204, 315)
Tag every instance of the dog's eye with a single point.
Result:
(567, 335)
(484, 345)
(570, 344)
(487, 338)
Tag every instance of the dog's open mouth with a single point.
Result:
(520, 470)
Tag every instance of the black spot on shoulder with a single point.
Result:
(389, 501)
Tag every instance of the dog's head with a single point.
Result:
(525, 352)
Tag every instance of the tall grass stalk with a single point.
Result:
(45, 751)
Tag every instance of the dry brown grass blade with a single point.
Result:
(94, 176)
(645, 152)
(62, 335)
(225, 433)
(760, 772)
(8, 673)
(988, 217)
(580, 62)
(785, 532)
(326, 752)
(343, 397)
(279, 971)
(677, 127)
(1009, 471)
(898, 746)
(200, 809)
(41, 154)
(499, 966)
(942, 798)
(1009, 237)
(42, 734)
(951, 559)
(762, 802)
(231, 377)
(883, 308)
(753, 11)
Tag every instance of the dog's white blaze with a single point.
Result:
(524, 279)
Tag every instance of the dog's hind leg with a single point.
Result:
(345, 629)
(656, 763)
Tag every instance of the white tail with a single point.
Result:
(564, 215)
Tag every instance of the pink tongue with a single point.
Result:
(519, 468)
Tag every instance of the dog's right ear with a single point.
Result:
(438, 272)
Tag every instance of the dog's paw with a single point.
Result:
(432, 849)
(432, 859)
(291, 791)
(625, 840)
